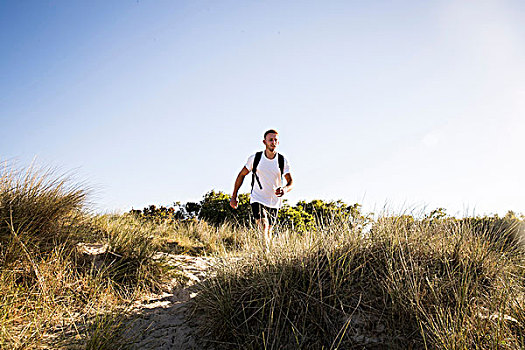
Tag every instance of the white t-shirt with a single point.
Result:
(270, 177)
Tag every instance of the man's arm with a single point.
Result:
(238, 182)
(289, 185)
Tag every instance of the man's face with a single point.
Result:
(271, 141)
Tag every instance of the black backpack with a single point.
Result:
(256, 161)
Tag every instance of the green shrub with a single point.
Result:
(295, 218)
(326, 213)
(215, 209)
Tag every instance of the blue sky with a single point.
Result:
(408, 104)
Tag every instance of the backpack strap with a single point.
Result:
(281, 163)
(256, 161)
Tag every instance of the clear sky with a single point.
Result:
(405, 103)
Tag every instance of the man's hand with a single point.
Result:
(233, 202)
(279, 191)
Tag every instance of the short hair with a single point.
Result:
(271, 131)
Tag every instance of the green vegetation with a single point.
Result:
(215, 209)
(334, 278)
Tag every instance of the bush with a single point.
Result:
(174, 213)
(215, 209)
(327, 213)
(295, 218)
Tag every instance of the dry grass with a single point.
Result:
(439, 284)
(194, 237)
(34, 208)
(405, 284)
(36, 275)
(47, 285)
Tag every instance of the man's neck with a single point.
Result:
(269, 154)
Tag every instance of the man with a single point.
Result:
(267, 187)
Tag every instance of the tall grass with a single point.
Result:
(47, 285)
(34, 207)
(405, 284)
(128, 259)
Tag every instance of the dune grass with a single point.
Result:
(55, 293)
(34, 208)
(47, 284)
(36, 274)
(404, 284)
(401, 283)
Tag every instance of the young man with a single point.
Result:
(267, 186)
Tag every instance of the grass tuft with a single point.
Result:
(35, 206)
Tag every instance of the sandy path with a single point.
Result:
(164, 321)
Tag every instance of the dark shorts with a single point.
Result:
(261, 211)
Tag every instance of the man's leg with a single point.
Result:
(268, 218)
(265, 218)
(265, 229)
(262, 223)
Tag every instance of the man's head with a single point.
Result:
(271, 140)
